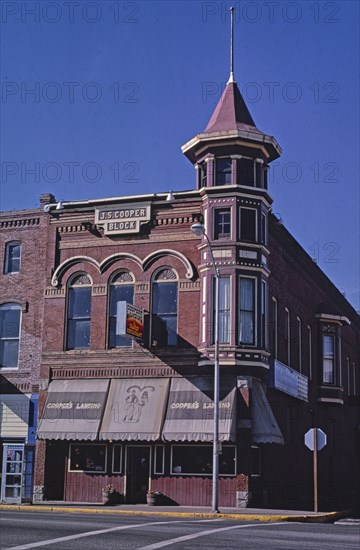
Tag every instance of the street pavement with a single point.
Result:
(25, 530)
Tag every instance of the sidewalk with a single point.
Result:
(247, 514)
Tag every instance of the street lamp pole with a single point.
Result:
(199, 231)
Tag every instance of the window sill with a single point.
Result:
(331, 394)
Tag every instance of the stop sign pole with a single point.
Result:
(316, 504)
(315, 440)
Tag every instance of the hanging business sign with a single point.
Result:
(123, 219)
(129, 320)
(287, 380)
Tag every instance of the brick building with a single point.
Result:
(23, 237)
(137, 414)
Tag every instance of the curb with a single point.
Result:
(327, 517)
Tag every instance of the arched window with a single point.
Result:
(121, 290)
(164, 308)
(12, 257)
(10, 315)
(79, 312)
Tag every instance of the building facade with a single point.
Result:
(137, 414)
(23, 239)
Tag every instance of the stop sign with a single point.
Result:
(320, 439)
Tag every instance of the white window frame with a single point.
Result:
(4, 369)
(6, 261)
(120, 470)
(288, 336)
(276, 327)
(309, 331)
(157, 449)
(299, 342)
(256, 223)
(254, 344)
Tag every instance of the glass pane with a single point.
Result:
(164, 298)
(247, 224)
(9, 321)
(12, 492)
(328, 368)
(328, 346)
(246, 327)
(9, 353)
(246, 294)
(159, 459)
(115, 340)
(222, 226)
(89, 458)
(198, 460)
(78, 334)
(13, 480)
(223, 171)
(79, 303)
(120, 293)
(117, 458)
(245, 172)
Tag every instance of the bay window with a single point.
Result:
(247, 314)
(224, 310)
(328, 359)
(223, 171)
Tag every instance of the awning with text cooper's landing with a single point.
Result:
(190, 410)
(73, 409)
(135, 409)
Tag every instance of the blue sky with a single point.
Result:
(118, 87)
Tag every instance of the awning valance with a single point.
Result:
(73, 409)
(265, 429)
(135, 409)
(190, 411)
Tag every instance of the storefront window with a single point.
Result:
(87, 458)
(197, 460)
(117, 459)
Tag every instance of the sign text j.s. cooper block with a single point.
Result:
(122, 219)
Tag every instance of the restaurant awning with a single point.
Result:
(265, 429)
(135, 409)
(190, 411)
(73, 409)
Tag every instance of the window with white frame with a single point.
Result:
(275, 328)
(223, 171)
(222, 223)
(299, 343)
(164, 308)
(12, 257)
(264, 308)
(159, 460)
(309, 336)
(224, 309)
(198, 460)
(247, 311)
(10, 320)
(248, 224)
(78, 312)
(287, 337)
(121, 290)
(117, 458)
(328, 358)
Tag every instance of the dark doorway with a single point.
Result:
(137, 474)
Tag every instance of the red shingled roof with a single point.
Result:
(231, 112)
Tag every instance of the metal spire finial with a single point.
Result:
(232, 79)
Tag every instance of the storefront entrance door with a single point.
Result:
(12, 473)
(137, 474)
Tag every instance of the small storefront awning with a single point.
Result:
(265, 429)
(190, 411)
(73, 409)
(14, 415)
(135, 409)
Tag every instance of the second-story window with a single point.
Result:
(10, 315)
(223, 171)
(328, 359)
(287, 337)
(79, 312)
(203, 174)
(248, 224)
(12, 257)
(247, 311)
(224, 310)
(164, 309)
(222, 223)
(121, 290)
